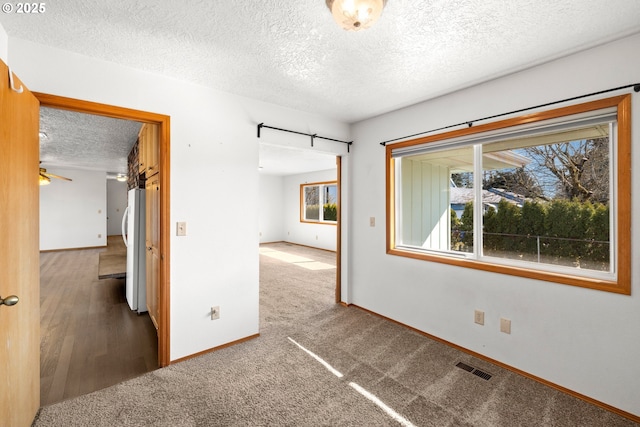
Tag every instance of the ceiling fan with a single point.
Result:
(45, 177)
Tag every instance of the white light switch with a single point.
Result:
(181, 229)
(372, 221)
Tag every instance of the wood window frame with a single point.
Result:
(622, 283)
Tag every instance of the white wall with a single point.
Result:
(116, 204)
(321, 236)
(213, 139)
(271, 220)
(73, 214)
(280, 211)
(4, 45)
(581, 339)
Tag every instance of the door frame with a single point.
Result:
(163, 121)
(339, 232)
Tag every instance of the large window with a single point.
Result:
(319, 202)
(545, 196)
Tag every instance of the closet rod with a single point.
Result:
(313, 136)
(635, 86)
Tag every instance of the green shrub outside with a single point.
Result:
(329, 211)
(568, 229)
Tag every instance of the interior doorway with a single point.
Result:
(162, 123)
(286, 175)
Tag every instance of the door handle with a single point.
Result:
(10, 300)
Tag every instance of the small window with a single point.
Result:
(319, 202)
(545, 196)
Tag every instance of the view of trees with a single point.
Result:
(574, 170)
(565, 216)
(519, 181)
(568, 170)
(312, 202)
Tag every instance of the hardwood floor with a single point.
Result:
(90, 339)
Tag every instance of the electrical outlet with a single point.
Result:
(215, 312)
(372, 221)
(505, 325)
(479, 317)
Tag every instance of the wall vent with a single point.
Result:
(475, 371)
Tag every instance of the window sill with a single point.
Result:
(621, 286)
(304, 221)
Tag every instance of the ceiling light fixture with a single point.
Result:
(355, 15)
(44, 180)
(121, 177)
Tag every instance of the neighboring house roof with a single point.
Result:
(461, 196)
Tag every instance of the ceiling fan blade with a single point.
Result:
(51, 175)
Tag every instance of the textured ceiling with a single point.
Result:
(85, 141)
(292, 53)
(91, 142)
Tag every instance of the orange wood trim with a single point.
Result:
(624, 195)
(163, 121)
(623, 283)
(301, 203)
(391, 200)
(516, 121)
(306, 221)
(164, 343)
(584, 282)
(211, 350)
(304, 246)
(299, 244)
(339, 231)
(509, 368)
(72, 249)
(71, 104)
(321, 182)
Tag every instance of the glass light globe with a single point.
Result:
(355, 15)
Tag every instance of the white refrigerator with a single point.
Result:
(133, 234)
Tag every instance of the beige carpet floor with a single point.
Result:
(320, 364)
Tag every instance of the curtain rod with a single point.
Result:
(636, 88)
(313, 136)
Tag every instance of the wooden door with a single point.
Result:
(19, 254)
(148, 149)
(153, 152)
(153, 246)
(142, 150)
